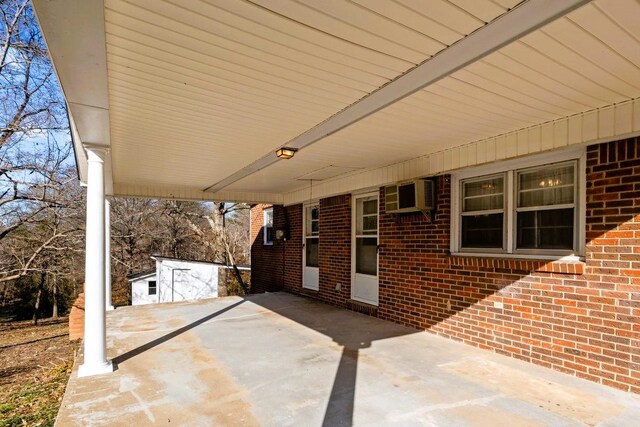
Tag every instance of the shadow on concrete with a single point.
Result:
(352, 331)
(340, 406)
(151, 344)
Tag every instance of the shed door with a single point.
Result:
(180, 284)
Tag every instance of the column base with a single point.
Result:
(89, 370)
(109, 308)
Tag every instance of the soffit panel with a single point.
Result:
(560, 70)
(199, 90)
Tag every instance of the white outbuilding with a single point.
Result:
(176, 279)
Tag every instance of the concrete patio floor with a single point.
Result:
(281, 360)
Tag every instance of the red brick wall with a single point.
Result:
(579, 318)
(76, 319)
(293, 246)
(266, 260)
(267, 269)
(334, 249)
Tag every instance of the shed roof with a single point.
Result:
(142, 274)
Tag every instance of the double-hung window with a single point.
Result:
(267, 228)
(545, 209)
(527, 207)
(483, 218)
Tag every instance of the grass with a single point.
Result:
(36, 404)
(35, 364)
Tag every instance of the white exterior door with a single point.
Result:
(180, 285)
(364, 260)
(310, 270)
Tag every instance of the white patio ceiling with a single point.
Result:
(198, 94)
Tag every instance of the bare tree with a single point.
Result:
(41, 246)
(30, 99)
(32, 153)
(40, 200)
(211, 228)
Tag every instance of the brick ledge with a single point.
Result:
(532, 265)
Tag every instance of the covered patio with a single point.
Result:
(191, 100)
(283, 360)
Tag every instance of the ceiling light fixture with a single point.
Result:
(285, 152)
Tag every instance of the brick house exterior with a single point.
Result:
(576, 316)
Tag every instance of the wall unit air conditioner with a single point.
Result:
(414, 196)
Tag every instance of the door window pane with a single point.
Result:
(370, 207)
(547, 229)
(367, 255)
(483, 231)
(311, 249)
(366, 217)
(370, 224)
(312, 222)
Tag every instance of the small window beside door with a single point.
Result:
(268, 232)
(153, 288)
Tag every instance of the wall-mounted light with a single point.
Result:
(285, 152)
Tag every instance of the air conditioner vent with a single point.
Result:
(413, 196)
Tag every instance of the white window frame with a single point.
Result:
(265, 234)
(154, 287)
(510, 169)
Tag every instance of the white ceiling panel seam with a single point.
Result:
(571, 70)
(202, 108)
(126, 119)
(292, 89)
(504, 76)
(194, 117)
(244, 61)
(343, 71)
(263, 103)
(238, 37)
(345, 30)
(315, 36)
(604, 68)
(218, 82)
(336, 5)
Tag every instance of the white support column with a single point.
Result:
(95, 340)
(107, 255)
